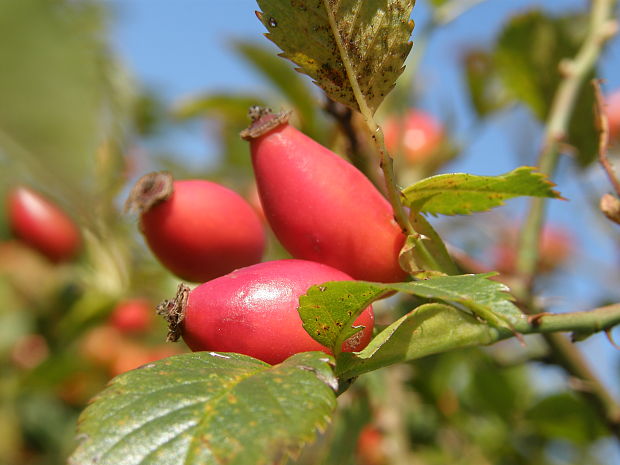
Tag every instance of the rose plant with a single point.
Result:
(346, 325)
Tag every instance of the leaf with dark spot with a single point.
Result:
(461, 194)
(370, 36)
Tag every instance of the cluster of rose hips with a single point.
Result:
(335, 224)
(331, 219)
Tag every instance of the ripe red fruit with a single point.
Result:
(416, 135)
(42, 224)
(320, 207)
(198, 229)
(253, 311)
(612, 110)
(370, 446)
(132, 315)
(253, 198)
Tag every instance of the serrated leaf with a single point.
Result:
(324, 37)
(461, 194)
(208, 408)
(429, 329)
(329, 309)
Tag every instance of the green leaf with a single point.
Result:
(486, 92)
(582, 132)
(329, 309)
(566, 416)
(528, 58)
(429, 329)
(461, 194)
(527, 54)
(475, 291)
(207, 408)
(323, 38)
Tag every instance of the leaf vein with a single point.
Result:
(124, 438)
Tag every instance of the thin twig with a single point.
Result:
(603, 128)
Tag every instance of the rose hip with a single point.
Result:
(253, 311)
(198, 229)
(320, 207)
(42, 224)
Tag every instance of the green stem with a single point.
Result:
(591, 321)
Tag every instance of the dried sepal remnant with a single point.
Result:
(610, 206)
(150, 189)
(173, 311)
(341, 43)
(263, 121)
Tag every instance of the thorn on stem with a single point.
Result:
(610, 338)
(536, 320)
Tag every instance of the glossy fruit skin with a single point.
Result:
(132, 315)
(321, 208)
(253, 311)
(43, 225)
(416, 135)
(203, 231)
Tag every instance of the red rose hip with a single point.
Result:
(253, 311)
(416, 134)
(198, 229)
(42, 224)
(131, 315)
(612, 110)
(320, 207)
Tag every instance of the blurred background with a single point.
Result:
(95, 94)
